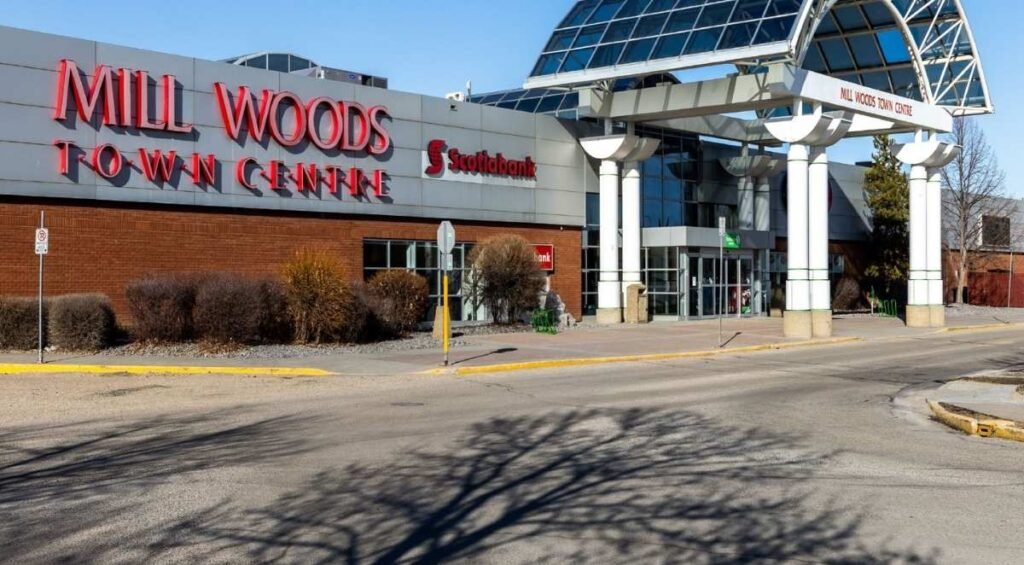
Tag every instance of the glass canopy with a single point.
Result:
(921, 49)
(864, 42)
(608, 34)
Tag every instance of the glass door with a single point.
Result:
(712, 290)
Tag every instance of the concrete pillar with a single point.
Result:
(936, 296)
(630, 224)
(926, 156)
(609, 287)
(746, 199)
(918, 308)
(762, 204)
(817, 249)
(797, 321)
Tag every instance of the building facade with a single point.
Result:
(150, 163)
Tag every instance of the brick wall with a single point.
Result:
(101, 248)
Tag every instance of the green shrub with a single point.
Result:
(401, 299)
(19, 323)
(234, 309)
(161, 308)
(322, 305)
(82, 322)
(508, 277)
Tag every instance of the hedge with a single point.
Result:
(82, 322)
(19, 323)
(161, 308)
(234, 309)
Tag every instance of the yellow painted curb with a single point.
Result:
(589, 361)
(29, 369)
(982, 427)
(980, 328)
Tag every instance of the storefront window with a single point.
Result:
(422, 258)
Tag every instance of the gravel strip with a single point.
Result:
(419, 341)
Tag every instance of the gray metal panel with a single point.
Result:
(43, 50)
(28, 160)
(23, 85)
(449, 113)
(509, 122)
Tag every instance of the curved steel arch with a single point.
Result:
(936, 34)
(939, 40)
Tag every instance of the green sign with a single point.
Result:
(732, 241)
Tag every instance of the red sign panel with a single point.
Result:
(545, 256)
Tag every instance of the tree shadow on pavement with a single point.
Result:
(93, 482)
(597, 486)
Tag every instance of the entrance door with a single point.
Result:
(712, 290)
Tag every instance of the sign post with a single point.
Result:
(42, 248)
(722, 277)
(445, 245)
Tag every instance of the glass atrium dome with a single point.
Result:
(920, 49)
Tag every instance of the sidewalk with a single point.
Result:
(678, 338)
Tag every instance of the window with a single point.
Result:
(591, 254)
(422, 258)
(277, 62)
(669, 179)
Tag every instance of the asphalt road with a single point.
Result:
(812, 455)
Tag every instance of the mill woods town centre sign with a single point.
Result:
(121, 99)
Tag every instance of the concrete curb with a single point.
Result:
(981, 328)
(135, 370)
(983, 427)
(590, 361)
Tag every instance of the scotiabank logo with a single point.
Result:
(481, 163)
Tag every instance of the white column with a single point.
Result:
(934, 238)
(762, 204)
(817, 232)
(798, 296)
(630, 224)
(609, 294)
(746, 202)
(917, 288)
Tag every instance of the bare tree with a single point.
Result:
(975, 188)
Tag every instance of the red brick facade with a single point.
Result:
(100, 248)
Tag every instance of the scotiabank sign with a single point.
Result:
(120, 100)
(441, 158)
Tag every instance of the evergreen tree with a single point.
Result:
(888, 197)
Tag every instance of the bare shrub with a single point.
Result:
(401, 299)
(19, 323)
(82, 322)
(161, 308)
(275, 322)
(848, 295)
(322, 304)
(509, 277)
(227, 309)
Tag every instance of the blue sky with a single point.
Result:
(434, 47)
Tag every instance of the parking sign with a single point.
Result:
(42, 241)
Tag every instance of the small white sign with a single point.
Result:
(721, 227)
(42, 241)
(446, 237)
